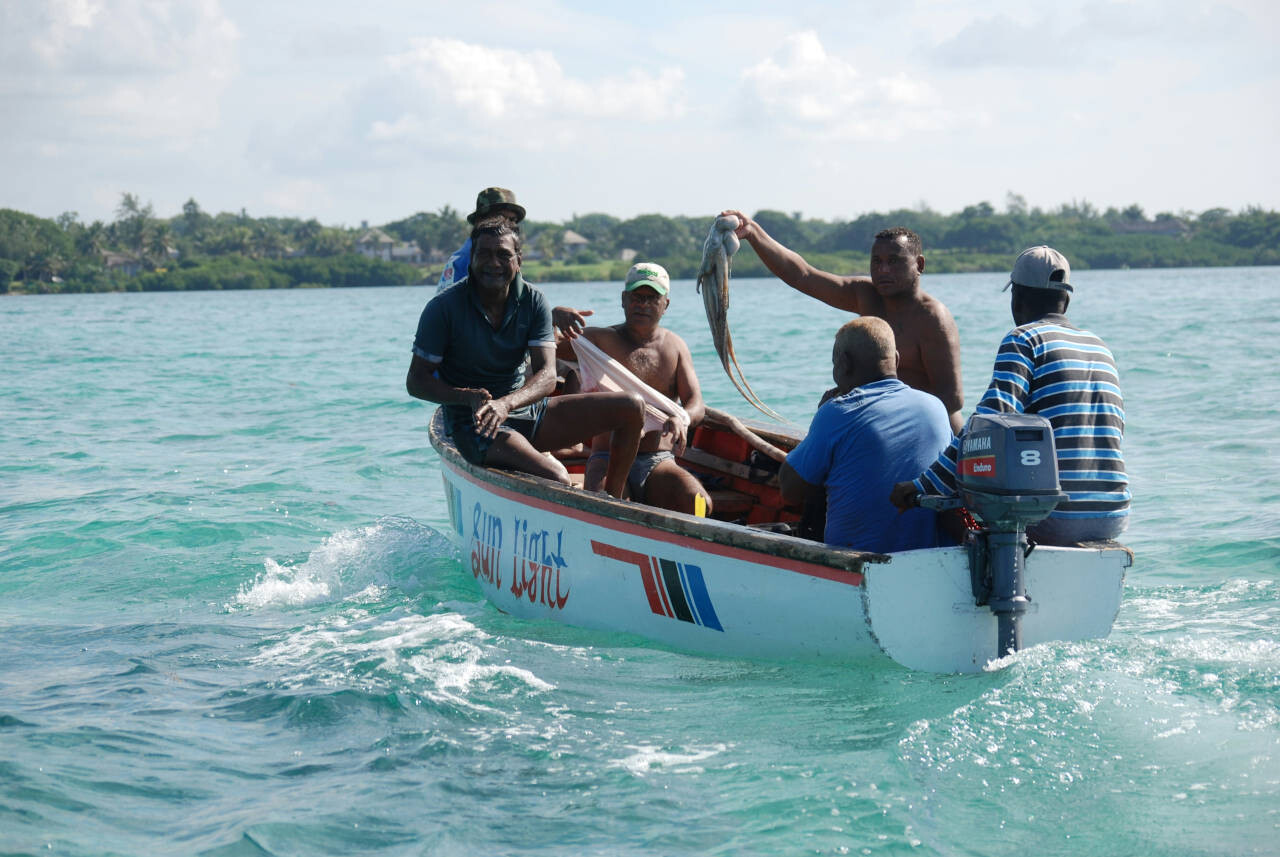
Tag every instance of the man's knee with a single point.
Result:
(514, 452)
(633, 407)
(672, 487)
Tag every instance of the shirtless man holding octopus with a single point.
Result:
(928, 342)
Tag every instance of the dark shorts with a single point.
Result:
(459, 425)
(642, 468)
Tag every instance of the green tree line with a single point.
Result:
(195, 250)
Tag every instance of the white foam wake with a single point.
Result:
(348, 564)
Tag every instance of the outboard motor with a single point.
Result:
(1007, 474)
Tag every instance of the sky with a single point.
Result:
(372, 111)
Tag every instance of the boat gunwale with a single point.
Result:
(708, 530)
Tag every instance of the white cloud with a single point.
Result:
(408, 105)
(101, 71)
(810, 93)
(299, 197)
(482, 86)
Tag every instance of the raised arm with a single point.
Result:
(790, 267)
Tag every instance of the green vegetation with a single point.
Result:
(195, 250)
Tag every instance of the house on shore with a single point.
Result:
(571, 243)
(121, 263)
(377, 244)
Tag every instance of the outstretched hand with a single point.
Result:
(571, 322)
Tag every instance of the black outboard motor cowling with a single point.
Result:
(1007, 475)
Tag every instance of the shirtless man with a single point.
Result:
(661, 359)
(928, 342)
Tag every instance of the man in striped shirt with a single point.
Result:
(1047, 366)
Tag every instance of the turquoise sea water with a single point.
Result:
(231, 622)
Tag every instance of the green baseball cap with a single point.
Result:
(649, 274)
(495, 197)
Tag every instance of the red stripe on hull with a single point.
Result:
(852, 578)
(640, 561)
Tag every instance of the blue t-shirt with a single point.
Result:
(862, 443)
(457, 269)
(454, 332)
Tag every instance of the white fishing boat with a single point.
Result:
(737, 584)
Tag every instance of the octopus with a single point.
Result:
(713, 283)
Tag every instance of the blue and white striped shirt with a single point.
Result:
(1068, 376)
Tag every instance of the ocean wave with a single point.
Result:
(349, 565)
(442, 657)
(649, 758)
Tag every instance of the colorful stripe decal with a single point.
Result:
(701, 599)
(671, 577)
(675, 590)
(641, 562)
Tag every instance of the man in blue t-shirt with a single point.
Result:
(468, 356)
(875, 432)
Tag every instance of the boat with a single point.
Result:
(741, 584)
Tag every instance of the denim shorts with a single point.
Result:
(459, 424)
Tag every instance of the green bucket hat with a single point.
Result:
(491, 198)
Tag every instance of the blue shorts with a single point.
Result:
(459, 423)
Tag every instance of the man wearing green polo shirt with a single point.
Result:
(468, 355)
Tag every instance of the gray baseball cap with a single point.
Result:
(1041, 267)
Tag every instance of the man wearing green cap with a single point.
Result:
(661, 369)
(1048, 366)
(490, 201)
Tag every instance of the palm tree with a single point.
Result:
(547, 241)
(134, 222)
(158, 244)
(91, 240)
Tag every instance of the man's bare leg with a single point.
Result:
(570, 419)
(670, 486)
(512, 451)
(597, 463)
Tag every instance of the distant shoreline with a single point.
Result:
(197, 251)
(541, 274)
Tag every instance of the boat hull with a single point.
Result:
(540, 550)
